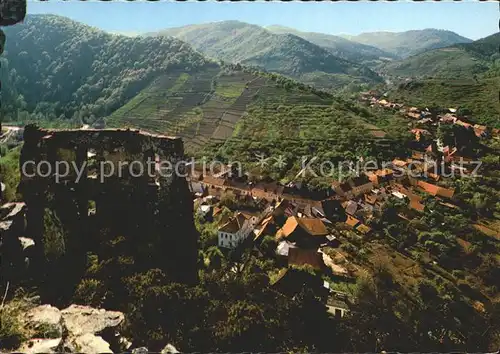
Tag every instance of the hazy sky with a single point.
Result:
(471, 19)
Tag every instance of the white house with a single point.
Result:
(236, 230)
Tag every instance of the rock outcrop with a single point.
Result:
(75, 329)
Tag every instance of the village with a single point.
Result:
(306, 226)
(426, 117)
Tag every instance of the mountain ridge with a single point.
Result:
(287, 54)
(408, 43)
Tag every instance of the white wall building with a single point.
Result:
(236, 230)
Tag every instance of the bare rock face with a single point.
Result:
(34, 346)
(169, 348)
(81, 320)
(88, 343)
(45, 320)
(81, 329)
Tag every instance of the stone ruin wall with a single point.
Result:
(157, 210)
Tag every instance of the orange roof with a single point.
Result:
(463, 124)
(214, 181)
(265, 227)
(415, 204)
(313, 226)
(445, 192)
(399, 163)
(351, 221)
(300, 257)
(436, 190)
(429, 188)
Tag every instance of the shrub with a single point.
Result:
(90, 292)
(12, 330)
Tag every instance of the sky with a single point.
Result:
(469, 18)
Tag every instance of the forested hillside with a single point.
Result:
(287, 54)
(339, 46)
(464, 60)
(405, 44)
(58, 70)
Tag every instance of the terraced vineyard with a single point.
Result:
(199, 107)
(235, 115)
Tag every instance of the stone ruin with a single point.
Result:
(152, 212)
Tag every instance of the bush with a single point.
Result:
(12, 330)
(90, 292)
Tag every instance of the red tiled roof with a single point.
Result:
(313, 226)
(436, 190)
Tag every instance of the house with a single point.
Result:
(343, 189)
(309, 232)
(360, 185)
(463, 124)
(380, 176)
(399, 163)
(364, 229)
(283, 248)
(480, 130)
(336, 307)
(305, 257)
(236, 230)
(269, 191)
(211, 182)
(352, 221)
(267, 227)
(419, 133)
(448, 118)
(350, 207)
(436, 190)
(196, 187)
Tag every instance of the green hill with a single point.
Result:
(234, 113)
(405, 44)
(63, 72)
(457, 61)
(340, 47)
(287, 54)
